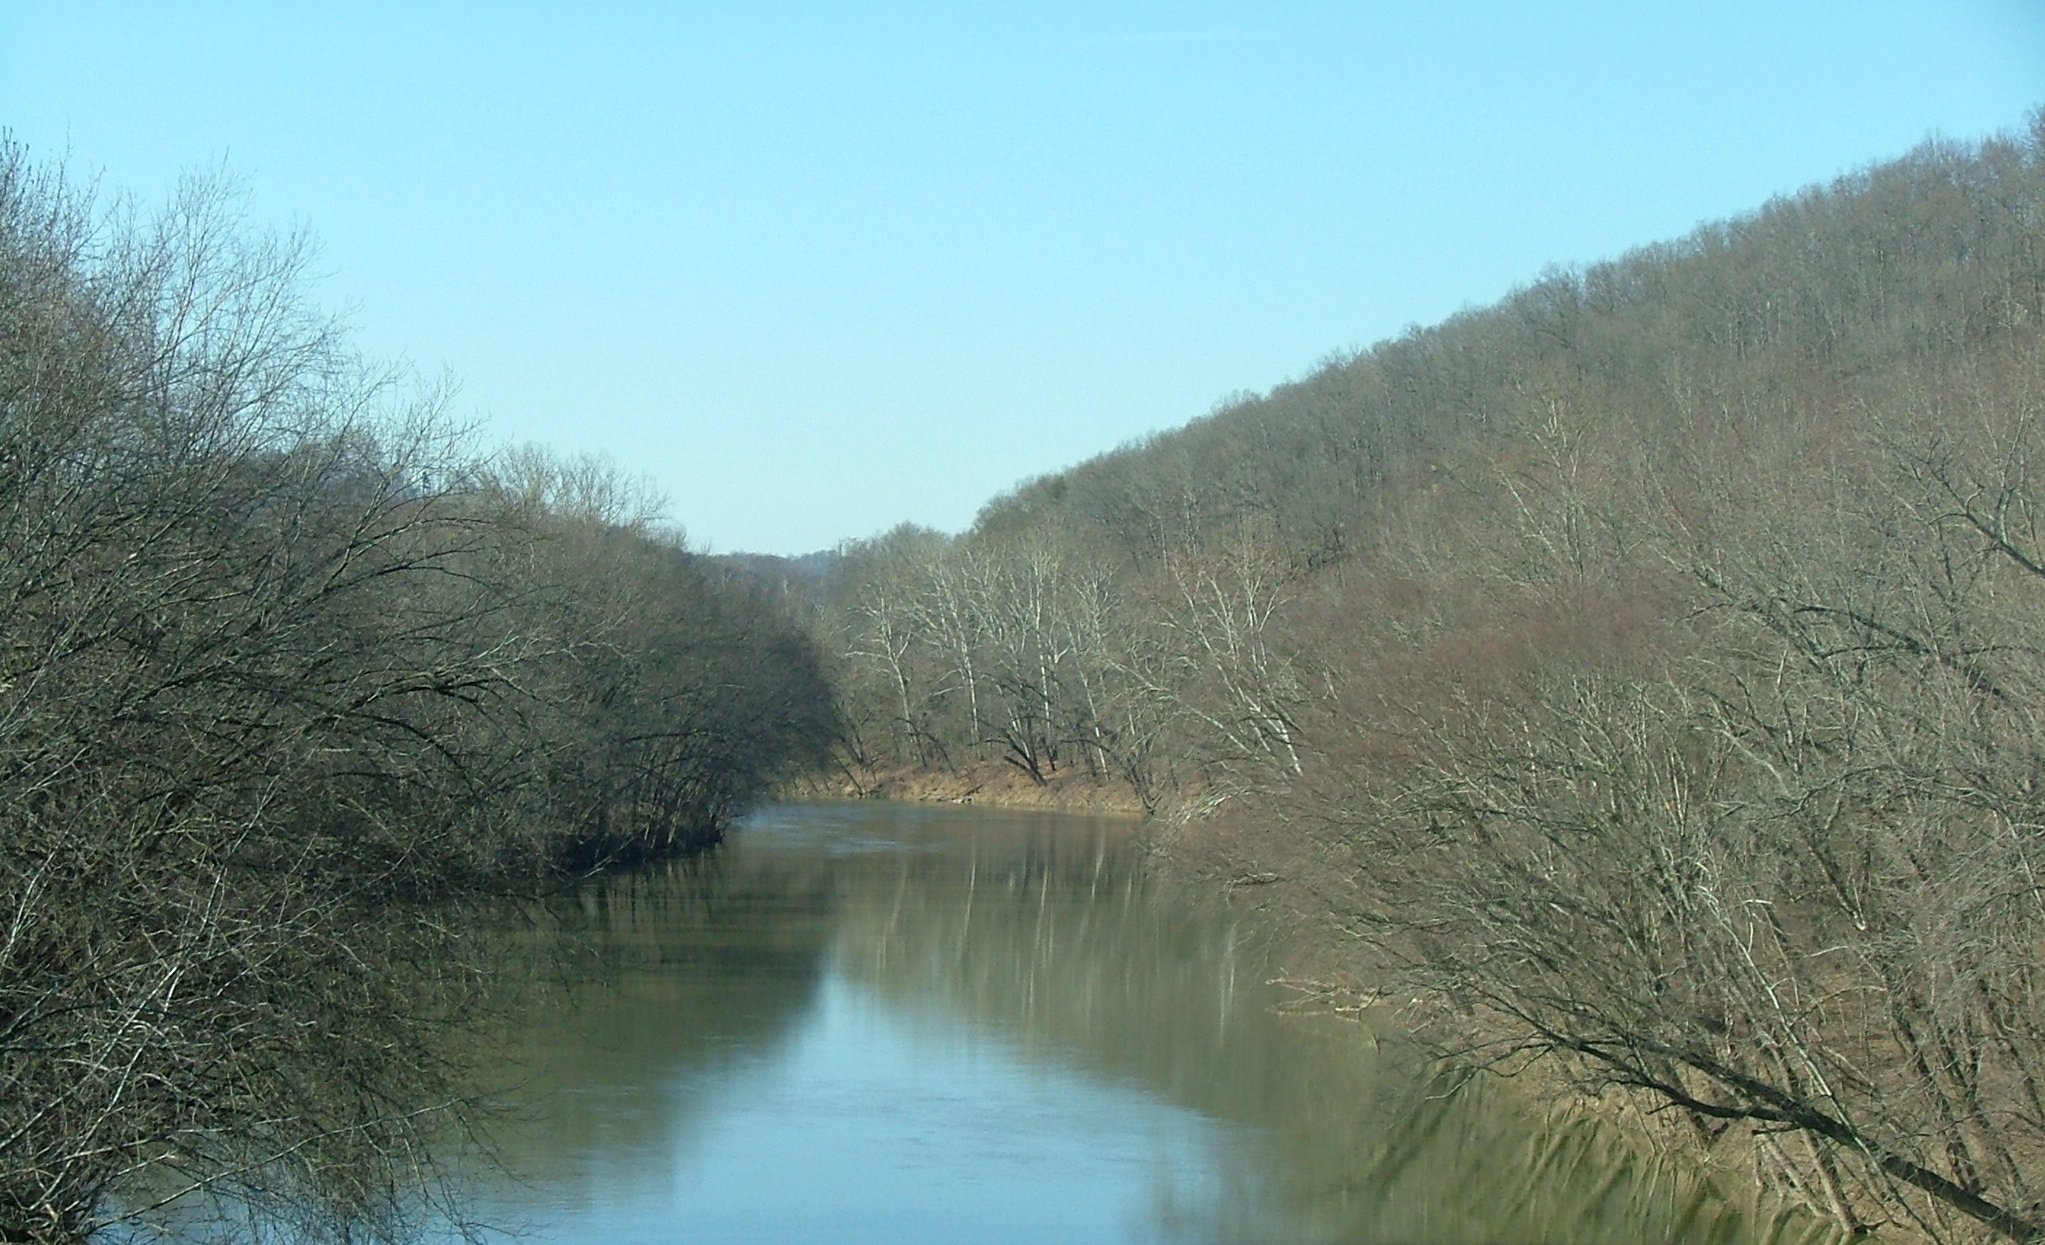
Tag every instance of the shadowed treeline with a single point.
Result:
(285, 668)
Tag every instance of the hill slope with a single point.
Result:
(1645, 670)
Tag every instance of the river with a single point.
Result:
(882, 1023)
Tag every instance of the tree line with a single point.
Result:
(1641, 675)
(286, 667)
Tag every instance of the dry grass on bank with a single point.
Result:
(994, 783)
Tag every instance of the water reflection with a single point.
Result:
(866, 1022)
(649, 991)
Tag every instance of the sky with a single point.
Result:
(814, 270)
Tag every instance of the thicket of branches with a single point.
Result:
(283, 668)
(1644, 671)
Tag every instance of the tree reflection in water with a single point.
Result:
(1040, 936)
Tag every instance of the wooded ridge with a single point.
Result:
(1644, 673)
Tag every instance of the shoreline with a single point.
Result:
(993, 784)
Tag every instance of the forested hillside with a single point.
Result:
(285, 667)
(1644, 671)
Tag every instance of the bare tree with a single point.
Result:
(279, 676)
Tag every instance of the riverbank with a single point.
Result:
(993, 783)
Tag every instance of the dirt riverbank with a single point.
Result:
(996, 784)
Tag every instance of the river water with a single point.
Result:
(878, 1023)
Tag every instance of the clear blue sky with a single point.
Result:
(816, 269)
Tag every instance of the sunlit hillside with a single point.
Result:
(1644, 670)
